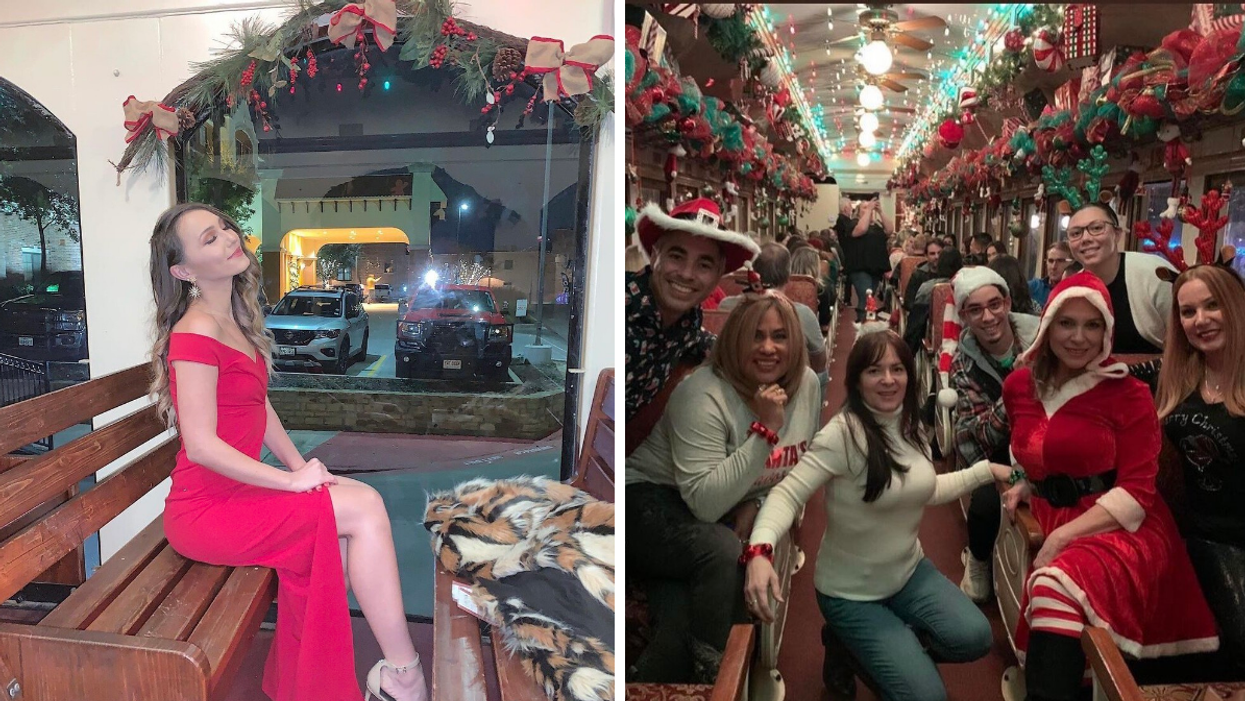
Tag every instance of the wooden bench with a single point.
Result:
(459, 671)
(944, 423)
(802, 289)
(730, 685)
(149, 624)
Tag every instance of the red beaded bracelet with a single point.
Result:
(763, 431)
(764, 550)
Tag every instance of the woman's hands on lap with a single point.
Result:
(311, 476)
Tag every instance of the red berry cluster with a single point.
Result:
(360, 59)
(248, 75)
(293, 75)
(438, 56)
(312, 66)
(450, 28)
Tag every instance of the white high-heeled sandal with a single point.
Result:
(373, 678)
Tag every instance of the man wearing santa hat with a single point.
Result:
(688, 253)
(983, 358)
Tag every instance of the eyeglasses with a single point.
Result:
(975, 312)
(1096, 229)
(1053, 261)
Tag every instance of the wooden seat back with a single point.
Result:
(731, 285)
(594, 471)
(645, 420)
(802, 289)
(937, 312)
(906, 267)
(712, 320)
(43, 521)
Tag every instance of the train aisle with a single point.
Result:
(943, 535)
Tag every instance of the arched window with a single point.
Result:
(40, 248)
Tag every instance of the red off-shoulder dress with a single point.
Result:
(214, 519)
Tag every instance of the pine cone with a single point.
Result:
(185, 119)
(507, 61)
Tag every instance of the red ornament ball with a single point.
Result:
(1014, 41)
(687, 125)
(950, 134)
(658, 95)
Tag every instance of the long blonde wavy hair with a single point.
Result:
(172, 297)
(1184, 367)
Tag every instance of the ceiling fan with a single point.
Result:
(880, 23)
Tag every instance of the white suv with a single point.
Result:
(318, 328)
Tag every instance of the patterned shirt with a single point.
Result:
(653, 350)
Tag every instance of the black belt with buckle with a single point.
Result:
(1064, 491)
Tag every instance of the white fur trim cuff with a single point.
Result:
(1123, 508)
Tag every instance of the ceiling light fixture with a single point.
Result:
(876, 57)
(871, 97)
(869, 122)
(867, 139)
(862, 159)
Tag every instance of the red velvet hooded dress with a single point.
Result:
(214, 519)
(1135, 581)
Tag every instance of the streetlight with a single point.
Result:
(458, 226)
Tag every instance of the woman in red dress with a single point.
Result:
(211, 362)
(1087, 436)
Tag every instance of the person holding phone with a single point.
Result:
(866, 256)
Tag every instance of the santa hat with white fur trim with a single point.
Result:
(965, 282)
(700, 217)
(1083, 285)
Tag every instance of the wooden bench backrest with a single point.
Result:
(594, 472)
(906, 267)
(712, 320)
(802, 289)
(730, 285)
(645, 420)
(937, 308)
(38, 527)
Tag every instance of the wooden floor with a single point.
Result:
(943, 536)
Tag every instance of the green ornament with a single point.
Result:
(629, 220)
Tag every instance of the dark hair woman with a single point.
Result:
(1018, 288)
(874, 585)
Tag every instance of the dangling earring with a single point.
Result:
(194, 289)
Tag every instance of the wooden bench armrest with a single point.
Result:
(1111, 675)
(458, 661)
(733, 674)
(1027, 523)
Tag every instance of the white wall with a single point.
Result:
(82, 58)
(824, 212)
(602, 302)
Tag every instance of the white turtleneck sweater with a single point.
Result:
(869, 550)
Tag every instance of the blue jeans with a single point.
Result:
(862, 282)
(882, 635)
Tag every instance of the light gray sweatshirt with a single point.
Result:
(703, 445)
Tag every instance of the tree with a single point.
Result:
(30, 200)
(332, 258)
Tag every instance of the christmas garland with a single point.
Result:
(1187, 79)
(487, 67)
(664, 107)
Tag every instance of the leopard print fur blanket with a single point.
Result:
(540, 557)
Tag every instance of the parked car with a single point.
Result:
(381, 292)
(352, 287)
(453, 331)
(318, 328)
(49, 323)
